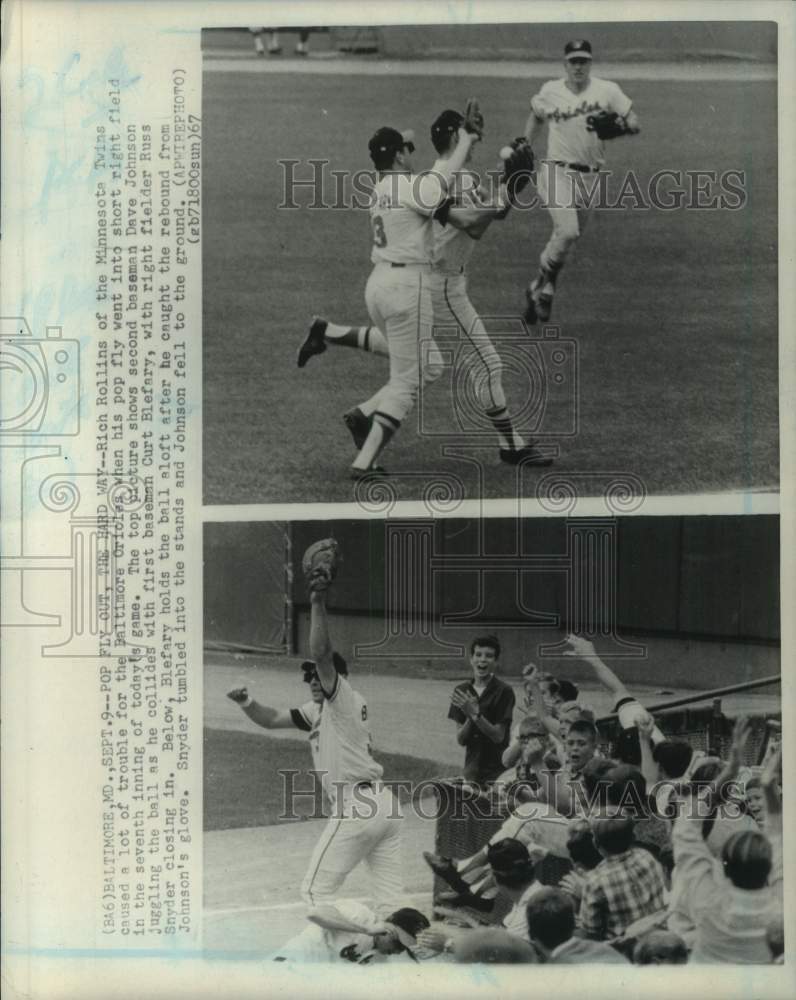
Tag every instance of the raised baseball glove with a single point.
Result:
(607, 125)
(319, 564)
(517, 168)
(473, 118)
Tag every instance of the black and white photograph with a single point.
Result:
(396, 499)
(588, 282)
(545, 741)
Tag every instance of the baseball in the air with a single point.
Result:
(505, 152)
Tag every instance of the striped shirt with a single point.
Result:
(620, 890)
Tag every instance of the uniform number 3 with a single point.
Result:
(379, 236)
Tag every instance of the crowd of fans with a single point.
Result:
(650, 852)
(664, 854)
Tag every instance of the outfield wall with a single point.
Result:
(654, 41)
(711, 577)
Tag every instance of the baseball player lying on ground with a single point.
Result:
(455, 231)
(581, 112)
(366, 819)
(349, 931)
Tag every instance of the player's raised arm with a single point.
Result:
(262, 715)
(320, 567)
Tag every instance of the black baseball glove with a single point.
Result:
(607, 125)
(518, 168)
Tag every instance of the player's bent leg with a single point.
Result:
(322, 333)
(336, 854)
(384, 858)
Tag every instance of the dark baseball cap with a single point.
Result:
(390, 140)
(580, 47)
(407, 924)
(509, 857)
(446, 123)
(308, 667)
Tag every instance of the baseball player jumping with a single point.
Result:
(366, 819)
(581, 111)
(455, 230)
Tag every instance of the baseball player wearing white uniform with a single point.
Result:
(398, 294)
(366, 819)
(455, 230)
(575, 156)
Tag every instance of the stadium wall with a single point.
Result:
(702, 577)
(612, 41)
(656, 41)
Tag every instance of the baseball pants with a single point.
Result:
(399, 304)
(565, 195)
(452, 307)
(372, 837)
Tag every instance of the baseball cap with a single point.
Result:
(509, 858)
(407, 924)
(580, 47)
(390, 140)
(308, 667)
(446, 123)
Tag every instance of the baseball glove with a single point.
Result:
(518, 168)
(473, 118)
(607, 125)
(319, 564)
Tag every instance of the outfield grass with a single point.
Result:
(242, 786)
(674, 313)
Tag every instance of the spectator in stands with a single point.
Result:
(482, 710)
(755, 800)
(550, 915)
(513, 870)
(660, 948)
(627, 790)
(724, 910)
(563, 789)
(522, 758)
(628, 709)
(628, 885)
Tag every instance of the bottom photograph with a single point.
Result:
(543, 741)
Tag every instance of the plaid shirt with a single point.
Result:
(621, 889)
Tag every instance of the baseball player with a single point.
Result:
(366, 819)
(581, 111)
(398, 293)
(352, 932)
(455, 233)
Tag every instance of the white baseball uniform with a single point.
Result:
(366, 818)
(574, 157)
(451, 304)
(398, 294)
(319, 944)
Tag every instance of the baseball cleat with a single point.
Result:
(358, 426)
(529, 454)
(314, 342)
(543, 300)
(445, 869)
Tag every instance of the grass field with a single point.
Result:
(238, 762)
(674, 313)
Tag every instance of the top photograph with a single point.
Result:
(492, 261)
